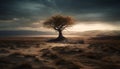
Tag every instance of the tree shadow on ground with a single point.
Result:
(65, 40)
(58, 40)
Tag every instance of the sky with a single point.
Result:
(89, 14)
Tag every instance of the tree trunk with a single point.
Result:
(60, 36)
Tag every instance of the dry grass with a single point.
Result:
(36, 53)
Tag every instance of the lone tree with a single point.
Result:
(59, 23)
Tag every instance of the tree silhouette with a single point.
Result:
(59, 23)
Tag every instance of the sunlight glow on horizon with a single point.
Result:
(88, 27)
(78, 27)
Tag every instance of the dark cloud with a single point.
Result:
(33, 10)
(109, 9)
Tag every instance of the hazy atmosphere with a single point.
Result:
(59, 34)
(30, 14)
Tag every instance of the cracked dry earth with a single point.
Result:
(43, 55)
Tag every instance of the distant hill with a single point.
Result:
(98, 33)
(30, 33)
(23, 33)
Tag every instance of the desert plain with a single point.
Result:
(74, 53)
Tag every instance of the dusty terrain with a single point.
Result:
(75, 53)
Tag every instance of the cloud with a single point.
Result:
(16, 23)
(109, 9)
(24, 13)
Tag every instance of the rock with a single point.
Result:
(23, 66)
(4, 51)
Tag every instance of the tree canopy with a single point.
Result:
(59, 22)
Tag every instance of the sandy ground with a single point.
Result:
(76, 53)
